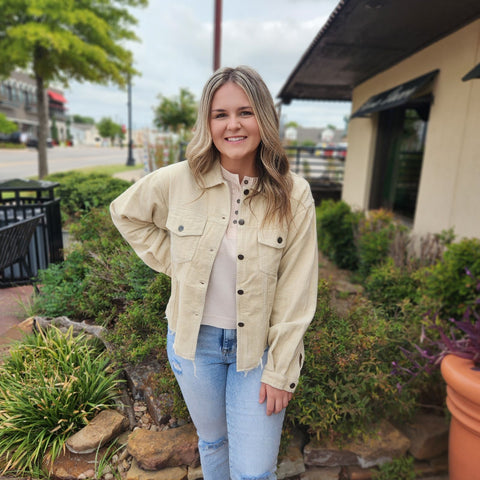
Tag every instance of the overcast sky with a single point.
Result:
(176, 50)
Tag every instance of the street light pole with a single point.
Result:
(130, 159)
(217, 38)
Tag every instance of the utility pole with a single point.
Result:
(218, 35)
(130, 159)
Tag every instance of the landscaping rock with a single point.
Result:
(169, 448)
(326, 473)
(291, 463)
(141, 381)
(195, 473)
(107, 425)
(358, 473)
(173, 473)
(428, 435)
(73, 466)
(317, 454)
(382, 445)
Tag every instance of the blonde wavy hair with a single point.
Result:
(274, 179)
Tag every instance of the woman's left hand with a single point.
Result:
(277, 399)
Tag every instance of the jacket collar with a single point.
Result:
(214, 176)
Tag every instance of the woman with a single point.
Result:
(235, 231)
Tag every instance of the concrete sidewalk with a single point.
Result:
(14, 323)
(12, 306)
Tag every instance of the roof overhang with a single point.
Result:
(365, 37)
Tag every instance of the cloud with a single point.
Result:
(177, 51)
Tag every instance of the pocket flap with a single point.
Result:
(184, 224)
(272, 237)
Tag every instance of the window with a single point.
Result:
(399, 157)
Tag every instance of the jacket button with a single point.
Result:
(180, 228)
(240, 292)
(279, 239)
(241, 324)
(246, 191)
(241, 222)
(241, 257)
(292, 385)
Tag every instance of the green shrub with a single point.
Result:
(389, 286)
(375, 236)
(99, 277)
(336, 225)
(51, 385)
(80, 192)
(141, 330)
(446, 283)
(346, 383)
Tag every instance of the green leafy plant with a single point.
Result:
(374, 237)
(52, 384)
(346, 384)
(389, 286)
(450, 291)
(100, 276)
(398, 469)
(336, 225)
(80, 192)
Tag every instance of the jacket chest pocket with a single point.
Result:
(271, 244)
(185, 230)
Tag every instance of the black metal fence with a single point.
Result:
(22, 199)
(322, 166)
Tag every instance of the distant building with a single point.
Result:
(413, 141)
(300, 135)
(18, 102)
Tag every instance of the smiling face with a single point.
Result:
(234, 129)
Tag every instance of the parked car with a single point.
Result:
(14, 137)
(33, 142)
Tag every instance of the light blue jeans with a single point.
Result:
(237, 439)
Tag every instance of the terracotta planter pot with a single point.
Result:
(463, 402)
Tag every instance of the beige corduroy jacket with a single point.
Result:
(176, 228)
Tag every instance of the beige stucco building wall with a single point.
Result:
(449, 190)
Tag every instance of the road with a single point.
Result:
(24, 163)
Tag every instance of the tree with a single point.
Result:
(176, 113)
(83, 120)
(6, 126)
(107, 128)
(63, 40)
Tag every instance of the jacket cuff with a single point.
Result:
(279, 381)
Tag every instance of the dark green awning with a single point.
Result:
(473, 73)
(396, 96)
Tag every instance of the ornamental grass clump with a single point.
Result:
(51, 385)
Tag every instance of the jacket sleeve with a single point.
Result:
(295, 298)
(140, 214)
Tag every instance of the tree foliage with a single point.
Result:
(176, 112)
(83, 120)
(64, 40)
(107, 128)
(6, 126)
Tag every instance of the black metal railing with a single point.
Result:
(23, 199)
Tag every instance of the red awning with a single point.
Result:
(56, 97)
